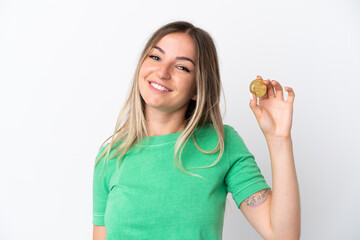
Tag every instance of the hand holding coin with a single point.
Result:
(272, 111)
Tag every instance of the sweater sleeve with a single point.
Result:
(244, 177)
(100, 190)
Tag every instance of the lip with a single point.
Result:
(151, 81)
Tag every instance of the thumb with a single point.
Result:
(253, 104)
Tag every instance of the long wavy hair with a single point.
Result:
(131, 125)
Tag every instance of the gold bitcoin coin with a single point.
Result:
(258, 87)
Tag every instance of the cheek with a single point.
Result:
(141, 72)
(145, 69)
(192, 84)
(141, 84)
(141, 81)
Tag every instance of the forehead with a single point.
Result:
(177, 44)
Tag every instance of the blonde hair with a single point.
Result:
(131, 125)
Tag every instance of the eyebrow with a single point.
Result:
(180, 58)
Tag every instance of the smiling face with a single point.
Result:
(167, 75)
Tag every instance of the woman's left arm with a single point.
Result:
(275, 214)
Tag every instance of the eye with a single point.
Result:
(184, 68)
(154, 57)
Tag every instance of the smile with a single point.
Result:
(158, 87)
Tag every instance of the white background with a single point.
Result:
(66, 66)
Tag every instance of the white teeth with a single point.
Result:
(157, 86)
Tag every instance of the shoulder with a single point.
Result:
(209, 131)
(104, 158)
(231, 137)
(231, 134)
(210, 128)
(228, 129)
(233, 140)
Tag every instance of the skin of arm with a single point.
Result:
(275, 214)
(99, 232)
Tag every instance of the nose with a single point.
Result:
(164, 71)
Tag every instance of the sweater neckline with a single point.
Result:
(162, 139)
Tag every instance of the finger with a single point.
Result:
(253, 101)
(265, 96)
(253, 104)
(278, 88)
(291, 94)
(270, 89)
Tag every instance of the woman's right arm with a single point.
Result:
(99, 232)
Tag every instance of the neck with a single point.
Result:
(160, 123)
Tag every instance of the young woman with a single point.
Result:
(171, 160)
